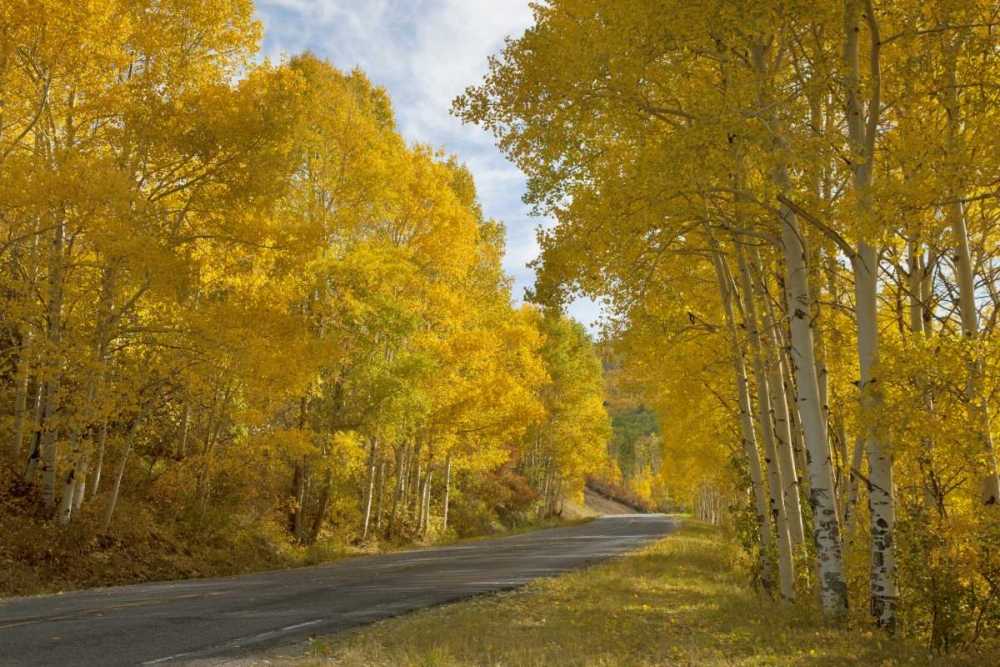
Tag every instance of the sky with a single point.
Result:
(425, 53)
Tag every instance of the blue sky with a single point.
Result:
(425, 52)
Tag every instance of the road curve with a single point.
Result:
(174, 622)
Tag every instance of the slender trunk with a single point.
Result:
(447, 493)
(49, 444)
(80, 487)
(844, 471)
(35, 451)
(185, 431)
(369, 488)
(400, 486)
(915, 281)
(324, 505)
(826, 525)
(102, 441)
(746, 424)
(796, 428)
(426, 509)
(881, 498)
(786, 568)
(851, 512)
(380, 495)
(978, 407)
(116, 488)
(20, 402)
(69, 483)
(299, 489)
(782, 419)
(862, 133)
(979, 411)
(802, 361)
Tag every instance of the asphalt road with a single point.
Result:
(174, 622)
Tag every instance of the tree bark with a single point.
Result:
(369, 487)
(102, 441)
(782, 420)
(786, 568)
(862, 133)
(324, 505)
(23, 376)
(447, 493)
(746, 424)
(116, 489)
(822, 500)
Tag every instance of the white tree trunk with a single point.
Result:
(102, 441)
(749, 436)
(862, 133)
(447, 493)
(369, 488)
(80, 483)
(786, 567)
(979, 411)
(822, 498)
(116, 489)
(881, 494)
(782, 420)
(69, 484)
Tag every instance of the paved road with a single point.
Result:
(174, 622)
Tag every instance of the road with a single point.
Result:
(175, 622)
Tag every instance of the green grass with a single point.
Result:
(680, 602)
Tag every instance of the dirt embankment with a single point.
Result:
(603, 505)
(594, 504)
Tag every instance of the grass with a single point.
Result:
(680, 602)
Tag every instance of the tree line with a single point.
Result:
(231, 293)
(791, 210)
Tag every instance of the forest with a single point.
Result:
(245, 323)
(791, 211)
(239, 309)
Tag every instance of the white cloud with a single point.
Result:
(425, 53)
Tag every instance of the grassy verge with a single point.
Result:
(680, 602)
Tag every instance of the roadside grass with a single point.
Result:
(679, 602)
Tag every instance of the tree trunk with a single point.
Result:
(401, 476)
(324, 505)
(369, 487)
(881, 494)
(915, 280)
(826, 525)
(380, 495)
(862, 133)
(746, 424)
(425, 519)
(447, 493)
(102, 441)
(49, 443)
(69, 484)
(786, 568)
(80, 486)
(23, 375)
(299, 491)
(116, 489)
(979, 411)
(782, 420)
(185, 430)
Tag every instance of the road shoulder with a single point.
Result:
(681, 601)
